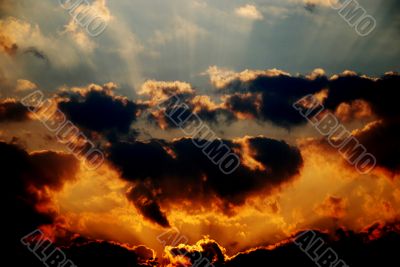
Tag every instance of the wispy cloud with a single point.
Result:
(249, 12)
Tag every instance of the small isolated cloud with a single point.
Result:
(310, 6)
(249, 12)
(25, 85)
(37, 54)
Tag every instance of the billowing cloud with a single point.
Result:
(222, 78)
(356, 110)
(159, 91)
(97, 108)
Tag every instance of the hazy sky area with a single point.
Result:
(180, 40)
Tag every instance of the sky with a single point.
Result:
(291, 124)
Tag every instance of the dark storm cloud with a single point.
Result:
(380, 138)
(271, 98)
(243, 103)
(147, 204)
(12, 111)
(172, 171)
(375, 247)
(27, 174)
(382, 93)
(277, 95)
(98, 109)
(27, 181)
(52, 169)
(275, 153)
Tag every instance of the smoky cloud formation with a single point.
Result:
(147, 205)
(163, 172)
